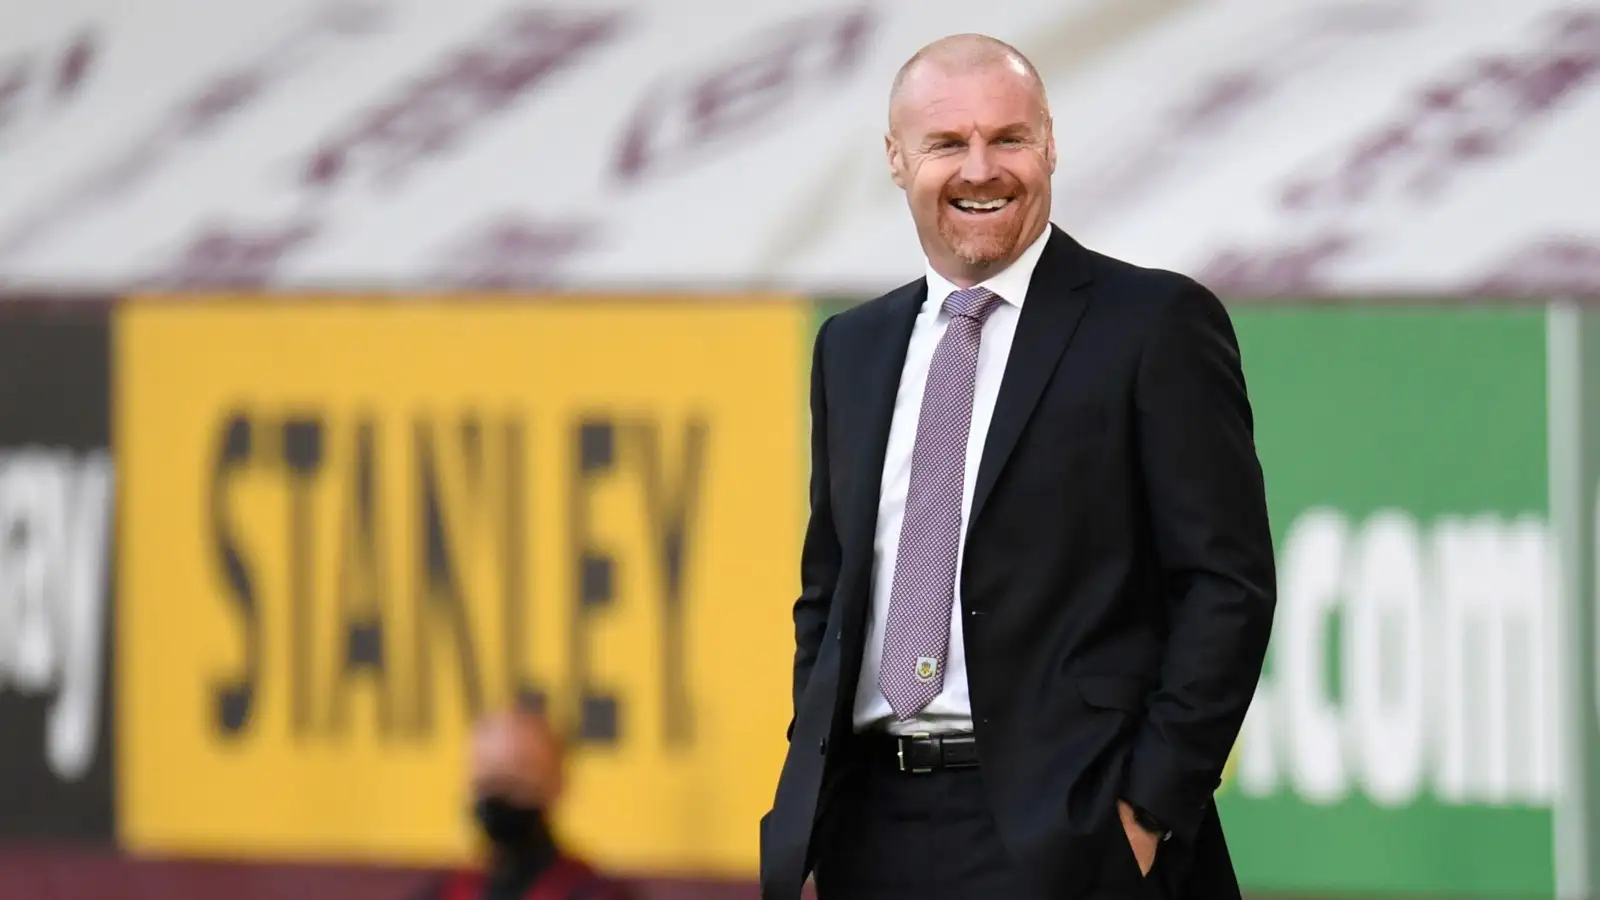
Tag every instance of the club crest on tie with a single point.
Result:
(927, 667)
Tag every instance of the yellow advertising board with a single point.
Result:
(347, 527)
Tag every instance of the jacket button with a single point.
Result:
(839, 635)
(822, 746)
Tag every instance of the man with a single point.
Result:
(1037, 580)
(517, 776)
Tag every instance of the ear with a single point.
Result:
(1050, 145)
(897, 160)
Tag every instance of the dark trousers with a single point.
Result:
(889, 835)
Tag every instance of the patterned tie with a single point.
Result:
(916, 638)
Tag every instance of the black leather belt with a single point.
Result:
(921, 753)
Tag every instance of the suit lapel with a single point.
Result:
(1055, 303)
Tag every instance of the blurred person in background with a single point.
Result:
(518, 772)
(1038, 579)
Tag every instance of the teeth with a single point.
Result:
(985, 204)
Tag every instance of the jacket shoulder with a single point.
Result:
(1146, 287)
(859, 315)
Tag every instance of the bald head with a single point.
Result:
(960, 54)
(517, 756)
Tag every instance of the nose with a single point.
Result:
(979, 165)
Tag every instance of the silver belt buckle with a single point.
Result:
(900, 751)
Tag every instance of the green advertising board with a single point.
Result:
(1404, 736)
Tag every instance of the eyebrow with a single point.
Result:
(1015, 129)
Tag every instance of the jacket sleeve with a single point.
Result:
(1207, 508)
(819, 555)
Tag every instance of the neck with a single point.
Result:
(966, 275)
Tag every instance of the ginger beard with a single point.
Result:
(982, 226)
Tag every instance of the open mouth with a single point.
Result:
(981, 207)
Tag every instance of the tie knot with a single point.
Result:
(973, 303)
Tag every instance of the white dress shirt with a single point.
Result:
(952, 709)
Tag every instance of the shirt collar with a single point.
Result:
(1010, 284)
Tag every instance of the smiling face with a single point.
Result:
(971, 146)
